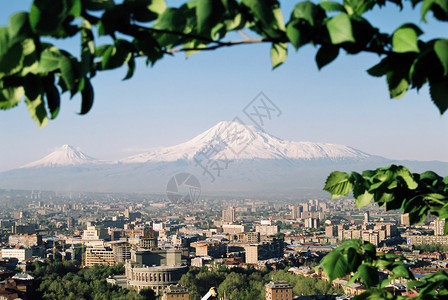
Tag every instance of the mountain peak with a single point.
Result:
(66, 155)
(233, 140)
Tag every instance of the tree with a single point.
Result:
(34, 69)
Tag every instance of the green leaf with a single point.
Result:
(382, 68)
(278, 54)
(19, 27)
(330, 6)
(308, 11)
(115, 57)
(438, 89)
(326, 54)
(87, 50)
(97, 4)
(338, 184)
(51, 18)
(87, 97)
(368, 274)
(398, 85)
(52, 96)
(340, 29)
(335, 265)
(149, 47)
(37, 110)
(363, 199)
(405, 39)
(401, 271)
(441, 50)
(10, 96)
(268, 14)
(10, 54)
(131, 69)
(208, 14)
(157, 6)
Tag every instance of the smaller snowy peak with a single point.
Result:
(63, 156)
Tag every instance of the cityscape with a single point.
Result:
(159, 244)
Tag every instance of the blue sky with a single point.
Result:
(179, 98)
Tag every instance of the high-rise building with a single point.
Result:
(276, 290)
(439, 226)
(405, 220)
(366, 217)
(228, 215)
(312, 223)
(295, 212)
(331, 231)
(99, 256)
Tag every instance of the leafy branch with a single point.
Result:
(395, 187)
(40, 72)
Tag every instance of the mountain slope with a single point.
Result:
(234, 141)
(64, 156)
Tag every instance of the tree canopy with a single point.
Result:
(33, 68)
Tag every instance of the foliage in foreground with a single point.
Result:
(394, 187)
(34, 69)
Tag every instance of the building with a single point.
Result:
(176, 292)
(99, 256)
(264, 250)
(427, 239)
(366, 217)
(228, 216)
(331, 231)
(122, 250)
(296, 212)
(312, 222)
(157, 278)
(70, 223)
(233, 229)
(253, 237)
(439, 227)
(404, 220)
(278, 290)
(212, 249)
(156, 270)
(371, 237)
(95, 233)
(267, 230)
(168, 257)
(24, 228)
(25, 240)
(20, 253)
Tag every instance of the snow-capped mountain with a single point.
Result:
(64, 156)
(255, 163)
(234, 141)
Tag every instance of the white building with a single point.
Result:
(21, 254)
(95, 233)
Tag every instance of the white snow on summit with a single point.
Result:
(64, 156)
(233, 140)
